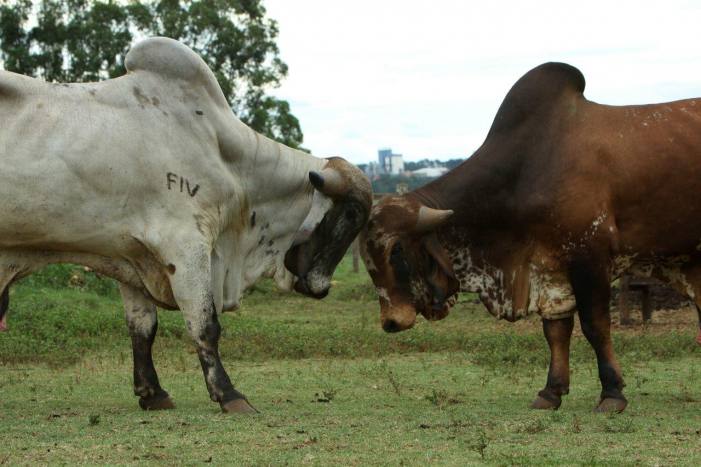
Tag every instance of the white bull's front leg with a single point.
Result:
(192, 289)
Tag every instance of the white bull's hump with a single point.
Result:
(173, 60)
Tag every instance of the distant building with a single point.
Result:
(396, 165)
(390, 163)
(373, 169)
(384, 157)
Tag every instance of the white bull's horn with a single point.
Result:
(430, 218)
(329, 182)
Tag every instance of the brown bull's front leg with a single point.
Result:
(557, 333)
(592, 291)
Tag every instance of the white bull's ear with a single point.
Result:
(329, 182)
(430, 219)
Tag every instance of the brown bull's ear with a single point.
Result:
(438, 253)
(445, 266)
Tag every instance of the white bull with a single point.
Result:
(151, 180)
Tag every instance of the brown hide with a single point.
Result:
(559, 179)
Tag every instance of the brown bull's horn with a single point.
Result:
(329, 182)
(430, 218)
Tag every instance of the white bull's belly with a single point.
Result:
(144, 275)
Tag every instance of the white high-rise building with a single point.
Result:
(396, 164)
(390, 163)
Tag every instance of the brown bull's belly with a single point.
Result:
(547, 293)
(550, 295)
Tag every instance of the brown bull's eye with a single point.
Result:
(399, 264)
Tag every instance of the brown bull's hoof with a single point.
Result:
(238, 406)
(541, 403)
(161, 402)
(611, 405)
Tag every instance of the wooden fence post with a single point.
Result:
(646, 305)
(623, 305)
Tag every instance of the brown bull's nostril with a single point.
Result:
(391, 325)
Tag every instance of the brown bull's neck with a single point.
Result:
(478, 190)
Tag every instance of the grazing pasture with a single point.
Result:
(331, 386)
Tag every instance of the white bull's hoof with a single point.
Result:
(238, 406)
(611, 405)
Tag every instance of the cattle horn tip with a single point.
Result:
(429, 218)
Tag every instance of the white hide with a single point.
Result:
(125, 175)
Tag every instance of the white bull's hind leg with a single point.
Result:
(4, 305)
(142, 321)
(698, 336)
(191, 283)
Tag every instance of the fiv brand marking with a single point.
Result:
(173, 179)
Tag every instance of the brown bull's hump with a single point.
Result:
(537, 91)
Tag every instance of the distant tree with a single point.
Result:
(424, 163)
(81, 40)
(410, 166)
(388, 183)
(452, 163)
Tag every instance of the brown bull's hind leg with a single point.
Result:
(557, 333)
(592, 290)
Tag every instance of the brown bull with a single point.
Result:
(562, 197)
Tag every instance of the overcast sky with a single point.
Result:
(426, 78)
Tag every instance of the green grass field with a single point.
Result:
(331, 386)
